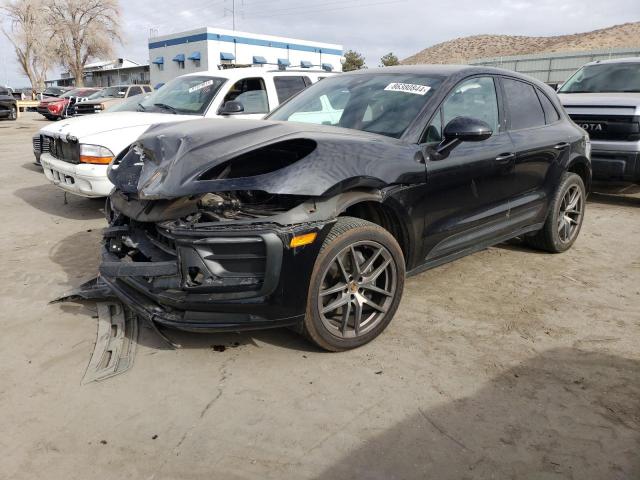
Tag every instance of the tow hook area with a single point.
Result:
(115, 347)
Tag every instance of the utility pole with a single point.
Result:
(232, 11)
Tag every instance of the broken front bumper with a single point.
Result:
(224, 278)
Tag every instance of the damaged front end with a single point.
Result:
(218, 227)
(218, 267)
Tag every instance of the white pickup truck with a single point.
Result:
(603, 97)
(76, 152)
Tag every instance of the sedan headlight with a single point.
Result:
(95, 154)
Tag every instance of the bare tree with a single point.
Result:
(30, 34)
(84, 29)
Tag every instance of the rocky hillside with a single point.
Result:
(462, 50)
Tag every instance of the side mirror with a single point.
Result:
(231, 108)
(121, 94)
(463, 129)
(559, 86)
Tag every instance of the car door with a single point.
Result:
(538, 145)
(467, 197)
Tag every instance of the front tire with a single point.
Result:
(355, 287)
(565, 217)
(13, 113)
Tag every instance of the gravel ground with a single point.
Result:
(509, 363)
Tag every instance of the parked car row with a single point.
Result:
(63, 103)
(54, 108)
(310, 216)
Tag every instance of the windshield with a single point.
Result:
(109, 92)
(131, 104)
(53, 92)
(189, 95)
(605, 77)
(379, 103)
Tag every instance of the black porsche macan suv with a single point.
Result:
(313, 217)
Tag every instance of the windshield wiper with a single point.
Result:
(166, 107)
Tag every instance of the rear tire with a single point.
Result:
(565, 217)
(355, 287)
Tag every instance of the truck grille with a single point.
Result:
(610, 127)
(41, 144)
(66, 151)
(87, 108)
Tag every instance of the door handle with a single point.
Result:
(505, 157)
(561, 146)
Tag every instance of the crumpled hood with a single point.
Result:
(80, 127)
(178, 159)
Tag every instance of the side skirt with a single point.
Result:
(473, 249)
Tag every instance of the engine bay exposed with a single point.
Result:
(206, 208)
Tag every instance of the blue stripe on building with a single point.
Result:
(243, 40)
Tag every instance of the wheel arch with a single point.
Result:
(581, 167)
(382, 213)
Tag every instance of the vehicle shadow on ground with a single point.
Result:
(614, 199)
(79, 256)
(50, 199)
(566, 413)
(221, 342)
(32, 167)
(519, 245)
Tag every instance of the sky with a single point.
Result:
(372, 27)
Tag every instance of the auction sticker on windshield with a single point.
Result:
(200, 86)
(408, 88)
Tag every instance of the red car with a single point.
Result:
(54, 108)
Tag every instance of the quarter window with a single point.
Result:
(251, 93)
(523, 105)
(550, 112)
(288, 86)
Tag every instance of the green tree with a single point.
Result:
(352, 61)
(389, 60)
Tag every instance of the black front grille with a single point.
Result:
(62, 150)
(610, 127)
(41, 144)
(85, 109)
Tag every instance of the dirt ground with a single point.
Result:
(509, 363)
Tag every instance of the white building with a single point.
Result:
(208, 48)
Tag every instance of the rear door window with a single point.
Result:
(523, 106)
(251, 93)
(135, 91)
(288, 86)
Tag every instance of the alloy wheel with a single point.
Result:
(570, 214)
(357, 289)
(13, 115)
